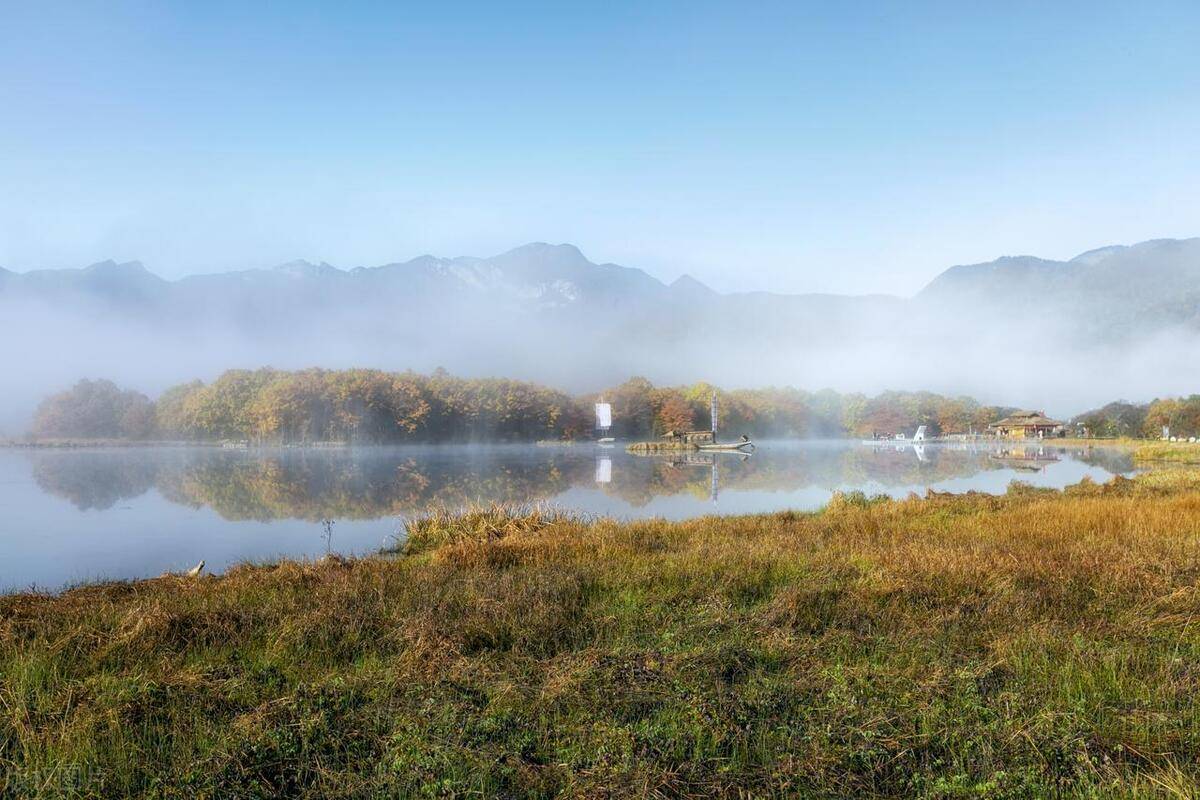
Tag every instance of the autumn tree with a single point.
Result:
(95, 410)
(633, 409)
(1119, 418)
(175, 411)
(1181, 415)
(673, 413)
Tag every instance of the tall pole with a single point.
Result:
(714, 416)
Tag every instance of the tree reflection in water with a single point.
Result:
(371, 483)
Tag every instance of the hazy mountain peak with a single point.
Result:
(1099, 254)
(110, 267)
(686, 284)
(544, 250)
(539, 262)
(1155, 244)
(119, 279)
(686, 280)
(425, 260)
(1020, 259)
(306, 269)
(1149, 247)
(974, 278)
(543, 254)
(298, 263)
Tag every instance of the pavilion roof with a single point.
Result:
(1022, 419)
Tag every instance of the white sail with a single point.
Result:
(603, 416)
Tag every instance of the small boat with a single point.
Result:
(743, 446)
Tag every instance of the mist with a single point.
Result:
(1062, 338)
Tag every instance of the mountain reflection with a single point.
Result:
(372, 483)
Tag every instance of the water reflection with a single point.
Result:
(373, 483)
(92, 514)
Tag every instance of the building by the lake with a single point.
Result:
(1027, 425)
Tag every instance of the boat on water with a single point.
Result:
(742, 446)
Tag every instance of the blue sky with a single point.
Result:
(845, 147)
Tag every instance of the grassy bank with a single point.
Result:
(1168, 453)
(1093, 441)
(1036, 644)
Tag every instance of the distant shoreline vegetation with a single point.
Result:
(367, 406)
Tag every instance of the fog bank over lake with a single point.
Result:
(1062, 336)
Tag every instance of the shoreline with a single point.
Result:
(96, 444)
(496, 520)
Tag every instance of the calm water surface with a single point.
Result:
(76, 515)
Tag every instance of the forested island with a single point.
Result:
(367, 406)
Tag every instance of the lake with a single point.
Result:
(89, 514)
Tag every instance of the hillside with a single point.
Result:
(1111, 294)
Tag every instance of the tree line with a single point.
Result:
(1181, 415)
(374, 406)
(316, 405)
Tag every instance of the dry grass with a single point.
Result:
(478, 525)
(1168, 452)
(1036, 644)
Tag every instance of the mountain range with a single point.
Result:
(1159, 277)
(546, 312)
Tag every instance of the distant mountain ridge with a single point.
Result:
(1173, 262)
(555, 273)
(562, 273)
(1115, 291)
(545, 312)
(1114, 294)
